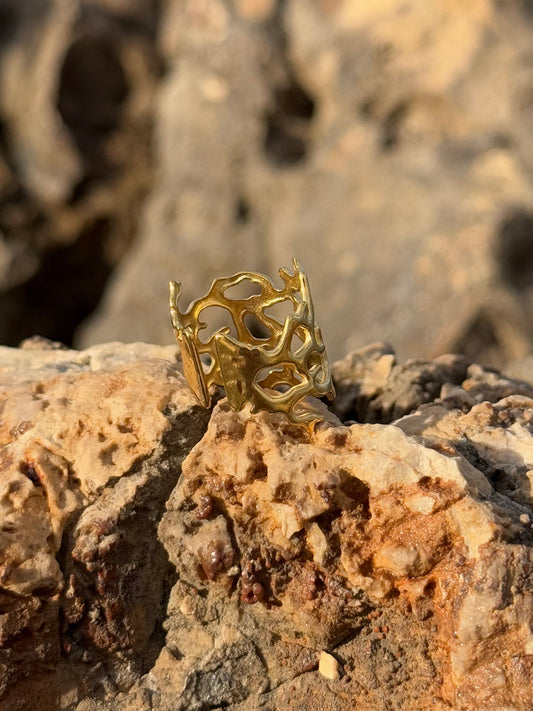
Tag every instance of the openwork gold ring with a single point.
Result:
(264, 358)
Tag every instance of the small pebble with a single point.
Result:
(186, 607)
(328, 666)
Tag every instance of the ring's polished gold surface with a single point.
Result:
(275, 366)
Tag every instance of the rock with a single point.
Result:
(372, 387)
(256, 10)
(142, 141)
(328, 666)
(87, 465)
(387, 146)
(43, 151)
(370, 565)
(414, 532)
(76, 84)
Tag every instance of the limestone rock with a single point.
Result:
(328, 666)
(91, 445)
(388, 145)
(401, 549)
(372, 387)
(413, 529)
(43, 151)
(365, 521)
(76, 81)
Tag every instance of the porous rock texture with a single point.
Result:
(91, 445)
(395, 550)
(388, 144)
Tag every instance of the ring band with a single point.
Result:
(274, 366)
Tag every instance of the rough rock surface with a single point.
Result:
(76, 88)
(387, 144)
(91, 445)
(383, 564)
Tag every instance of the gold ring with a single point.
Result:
(270, 360)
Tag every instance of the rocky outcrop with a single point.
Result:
(91, 445)
(402, 554)
(388, 145)
(76, 88)
(379, 564)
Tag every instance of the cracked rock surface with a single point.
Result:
(154, 557)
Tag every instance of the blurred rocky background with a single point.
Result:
(388, 144)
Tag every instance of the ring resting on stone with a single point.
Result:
(269, 360)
